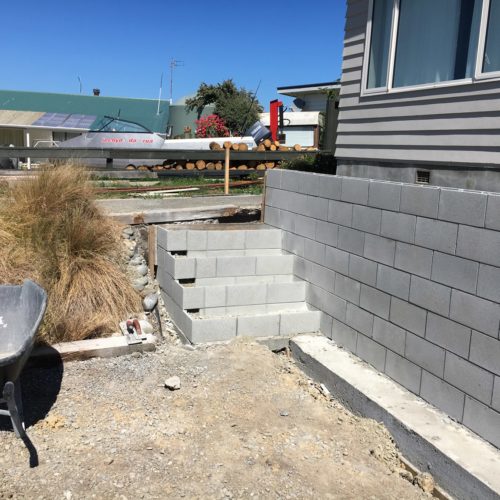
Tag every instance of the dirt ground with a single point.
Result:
(246, 423)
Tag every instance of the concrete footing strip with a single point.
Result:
(462, 463)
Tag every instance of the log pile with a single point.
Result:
(202, 165)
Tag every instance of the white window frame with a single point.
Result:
(479, 75)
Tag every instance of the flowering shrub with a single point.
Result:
(211, 126)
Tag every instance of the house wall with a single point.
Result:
(407, 278)
(455, 125)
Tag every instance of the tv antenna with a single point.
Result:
(80, 82)
(174, 63)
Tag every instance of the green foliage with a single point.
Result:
(232, 104)
(320, 163)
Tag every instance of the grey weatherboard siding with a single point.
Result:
(454, 125)
(419, 298)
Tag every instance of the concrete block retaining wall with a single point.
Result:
(407, 278)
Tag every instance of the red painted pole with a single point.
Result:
(273, 118)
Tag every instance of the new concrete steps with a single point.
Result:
(221, 283)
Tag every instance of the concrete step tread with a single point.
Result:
(252, 309)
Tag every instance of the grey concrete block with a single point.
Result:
(192, 297)
(286, 292)
(347, 288)
(316, 207)
(273, 178)
(355, 190)
(371, 352)
(321, 276)
(265, 325)
(343, 336)
(287, 220)
(337, 260)
(327, 302)
(482, 420)
(314, 251)
(359, 319)
(184, 268)
(493, 212)
(420, 200)
(469, 378)
(340, 213)
(448, 334)
(293, 243)
(403, 372)
(241, 266)
(293, 323)
(477, 313)
(309, 183)
(495, 402)
(265, 238)
(225, 240)
(172, 240)
(301, 268)
(428, 356)
(290, 180)
(384, 195)
(463, 207)
(389, 335)
(362, 269)
(379, 249)
(398, 226)
(327, 233)
(325, 325)
(206, 267)
(485, 352)
(215, 296)
(488, 283)
(443, 395)
(247, 294)
(330, 187)
(393, 282)
(351, 240)
(375, 301)
(366, 219)
(430, 295)
(304, 226)
(272, 216)
(479, 244)
(197, 240)
(275, 264)
(413, 259)
(455, 272)
(212, 330)
(436, 235)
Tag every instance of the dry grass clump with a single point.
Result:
(52, 232)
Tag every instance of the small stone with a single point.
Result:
(109, 461)
(142, 269)
(141, 281)
(405, 474)
(284, 413)
(149, 302)
(173, 383)
(138, 287)
(137, 261)
(128, 231)
(425, 482)
(146, 327)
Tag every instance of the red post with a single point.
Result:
(273, 117)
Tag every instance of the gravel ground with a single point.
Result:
(246, 423)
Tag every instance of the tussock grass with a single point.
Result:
(52, 232)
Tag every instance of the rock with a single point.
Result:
(284, 413)
(405, 474)
(142, 269)
(146, 327)
(173, 383)
(425, 482)
(143, 280)
(137, 261)
(149, 302)
(138, 287)
(128, 231)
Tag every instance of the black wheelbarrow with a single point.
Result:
(21, 311)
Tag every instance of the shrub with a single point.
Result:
(52, 232)
(211, 126)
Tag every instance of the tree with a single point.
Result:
(236, 106)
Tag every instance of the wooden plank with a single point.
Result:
(152, 261)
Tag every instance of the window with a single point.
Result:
(422, 43)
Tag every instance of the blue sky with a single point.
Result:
(123, 46)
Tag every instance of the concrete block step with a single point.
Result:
(209, 238)
(213, 312)
(184, 267)
(232, 253)
(234, 280)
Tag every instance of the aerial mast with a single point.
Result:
(174, 63)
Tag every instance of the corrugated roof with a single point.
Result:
(143, 111)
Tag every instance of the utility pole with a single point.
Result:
(174, 63)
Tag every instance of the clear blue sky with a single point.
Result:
(123, 46)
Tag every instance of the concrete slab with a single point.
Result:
(461, 462)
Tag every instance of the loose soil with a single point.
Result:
(246, 423)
